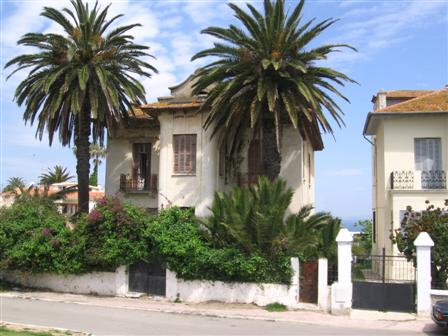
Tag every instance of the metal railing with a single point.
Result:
(417, 180)
(138, 184)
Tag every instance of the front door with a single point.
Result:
(148, 277)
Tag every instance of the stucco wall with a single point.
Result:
(197, 291)
(187, 190)
(395, 152)
(100, 283)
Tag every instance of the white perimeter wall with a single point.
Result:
(100, 283)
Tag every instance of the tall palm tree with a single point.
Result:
(81, 83)
(97, 153)
(15, 184)
(57, 174)
(266, 74)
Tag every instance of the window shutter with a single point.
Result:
(176, 153)
(184, 153)
(135, 161)
(148, 166)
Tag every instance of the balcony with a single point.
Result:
(139, 185)
(417, 180)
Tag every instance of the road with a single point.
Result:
(117, 321)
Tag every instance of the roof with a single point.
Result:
(407, 93)
(170, 105)
(425, 102)
(431, 101)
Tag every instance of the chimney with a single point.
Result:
(380, 100)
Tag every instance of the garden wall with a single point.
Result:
(99, 283)
(196, 291)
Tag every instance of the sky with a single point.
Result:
(401, 45)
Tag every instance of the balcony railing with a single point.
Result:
(417, 180)
(138, 184)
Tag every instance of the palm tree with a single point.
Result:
(55, 175)
(265, 75)
(97, 152)
(81, 83)
(15, 184)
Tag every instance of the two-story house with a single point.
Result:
(408, 130)
(163, 156)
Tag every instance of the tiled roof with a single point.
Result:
(431, 101)
(407, 93)
(168, 105)
(139, 114)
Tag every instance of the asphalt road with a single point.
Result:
(116, 321)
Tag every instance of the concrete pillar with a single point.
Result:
(341, 291)
(121, 281)
(209, 172)
(165, 169)
(322, 280)
(294, 289)
(423, 243)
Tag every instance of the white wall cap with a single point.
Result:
(344, 236)
(423, 239)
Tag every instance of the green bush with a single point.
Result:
(255, 220)
(181, 242)
(34, 237)
(113, 234)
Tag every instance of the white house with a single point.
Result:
(409, 134)
(163, 156)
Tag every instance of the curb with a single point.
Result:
(40, 328)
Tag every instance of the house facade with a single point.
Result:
(408, 130)
(163, 156)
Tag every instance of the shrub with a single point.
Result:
(434, 221)
(113, 234)
(34, 237)
(181, 242)
(254, 219)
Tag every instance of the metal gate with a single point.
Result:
(147, 277)
(383, 282)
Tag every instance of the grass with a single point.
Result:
(8, 332)
(276, 307)
(5, 331)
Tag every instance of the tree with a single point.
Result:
(97, 152)
(57, 174)
(362, 244)
(81, 83)
(434, 221)
(15, 184)
(254, 219)
(267, 74)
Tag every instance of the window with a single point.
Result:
(184, 146)
(428, 154)
(141, 168)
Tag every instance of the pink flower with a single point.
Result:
(95, 216)
(46, 232)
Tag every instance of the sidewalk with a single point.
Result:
(358, 318)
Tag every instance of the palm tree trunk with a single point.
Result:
(83, 158)
(271, 155)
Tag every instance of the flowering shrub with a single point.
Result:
(114, 235)
(34, 237)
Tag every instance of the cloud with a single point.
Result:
(344, 172)
(371, 28)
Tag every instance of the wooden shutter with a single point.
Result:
(184, 147)
(176, 167)
(135, 161)
(148, 167)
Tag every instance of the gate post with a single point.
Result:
(423, 243)
(341, 291)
